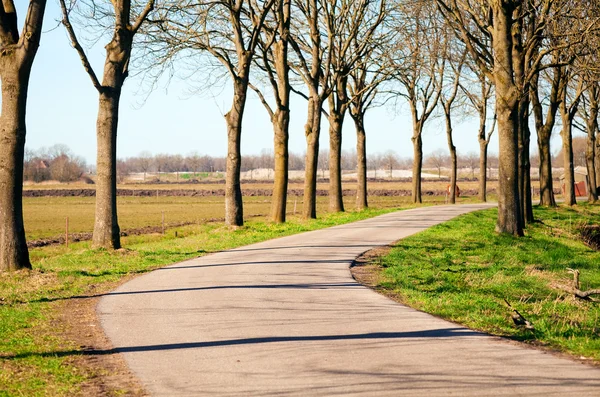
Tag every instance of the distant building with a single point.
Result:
(581, 182)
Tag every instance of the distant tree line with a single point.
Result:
(56, 163)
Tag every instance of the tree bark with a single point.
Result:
(526, 168)
(312, 130)
(234, 208)
(16, 60)
(567, 143)
(591, 154)
(13, 246)
(591, 167)
(361, 167)
(483, 160)
(281, 119)
(509, 212)
(453, 157)
(546, 182)
(417, 162)
(107, 233)
(336, 121)
(280, 185)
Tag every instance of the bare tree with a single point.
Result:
(107, 233)
(312, 47)
(419, 70)
(274, 51)
(488, 30)
(544, 128)
(471, 161)
(351, 25)
(479, 92)
(568, 110)
(448, 97)
(438, 160)
(229, 32)
(18, 53)
(365, 79)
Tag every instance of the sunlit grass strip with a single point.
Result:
(462, 271)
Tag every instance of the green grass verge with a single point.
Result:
(462, 271)
(31, 363)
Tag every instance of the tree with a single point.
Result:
(351, 25)
(313, 52)
(107, 233)
(419, 71)
(274, 50)
(471, 161)
(568, 110)
(448, 96)
(18, 54)
(229, 31)
(488, 30)
(365, 79)
(390, 161)
(479, 92)
(544, 128)
(438, 159)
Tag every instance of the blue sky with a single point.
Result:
(62, 108)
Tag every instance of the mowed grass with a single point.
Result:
(35, 360)
(463, 271)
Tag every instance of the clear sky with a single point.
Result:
(62, 108)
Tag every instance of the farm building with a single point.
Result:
(581, 182)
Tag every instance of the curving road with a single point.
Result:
(285, 317)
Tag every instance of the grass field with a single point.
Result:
(463, 271)
(46, 216)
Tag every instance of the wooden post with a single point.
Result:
(67, 232)
(295, 204)
(163, 222)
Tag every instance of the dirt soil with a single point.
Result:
(221, 192)
(106, 371)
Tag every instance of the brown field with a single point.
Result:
(45, 217)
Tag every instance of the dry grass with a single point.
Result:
(46, 216)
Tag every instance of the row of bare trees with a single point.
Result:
(524, 57)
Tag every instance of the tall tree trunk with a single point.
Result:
(453, 157)
(546, 183)
(507, 107)
(234, 209)
(107, 233)
(526, 170)
(281, 128)
(591, 152)
(16, 61)
(312, 131)
(483, 160)
(417, 162)
(361, 157)
(336, 121)
(281, 120)
(567, 141)
(13, 246)
(591, 166)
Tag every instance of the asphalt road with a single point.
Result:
(285, 317)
